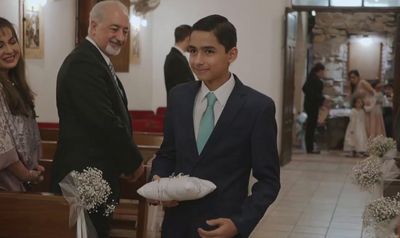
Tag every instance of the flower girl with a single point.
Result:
(356, 138)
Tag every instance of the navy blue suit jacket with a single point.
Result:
(243, 139)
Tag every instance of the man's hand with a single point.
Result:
(165, 204)
(225, 229)
(135, 175)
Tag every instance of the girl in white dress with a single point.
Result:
(356, 138)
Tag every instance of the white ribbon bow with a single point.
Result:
(77, 212)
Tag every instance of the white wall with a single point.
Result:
(138, 82)
(59, 40)
(9, 10)
(260, 41)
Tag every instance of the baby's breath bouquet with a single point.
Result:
(380, 145)
(86, 191)
(367, 173)
(93, 190)
(379, 214)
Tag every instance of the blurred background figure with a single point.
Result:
(176, 66)
(313, 99)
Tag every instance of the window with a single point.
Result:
(347, 3)
(382, 3)
(311, 2)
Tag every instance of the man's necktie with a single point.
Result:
(115, 78)
(206, 123)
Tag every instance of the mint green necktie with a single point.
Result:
(206, 123)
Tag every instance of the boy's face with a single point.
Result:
(208, 58)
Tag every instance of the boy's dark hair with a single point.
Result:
(181, 32)
(223, 30)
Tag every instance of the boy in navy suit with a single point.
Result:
(218, 129)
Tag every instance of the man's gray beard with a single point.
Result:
(111, 51)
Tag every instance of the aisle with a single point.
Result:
(317, 200)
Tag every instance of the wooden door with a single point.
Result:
(288, 87)
(396, 87)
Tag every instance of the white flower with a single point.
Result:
(93, 190)
(367, 173)
(380, 145)
(381, 211)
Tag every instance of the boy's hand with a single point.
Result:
(165, 204)
(226, 229)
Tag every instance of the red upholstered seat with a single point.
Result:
(157, 125)
(142, 125)
(161, 111)
(141, 114)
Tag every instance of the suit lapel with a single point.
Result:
(187, 119)
(121, 99)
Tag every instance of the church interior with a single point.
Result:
(279, 42)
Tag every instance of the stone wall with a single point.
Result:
(331, 34)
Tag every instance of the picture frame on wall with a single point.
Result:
(32, 29)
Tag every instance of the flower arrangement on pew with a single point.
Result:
(367, 173)
(381, 215)
(380, 145)
(93, 190)
(86, 191)
(371, 171)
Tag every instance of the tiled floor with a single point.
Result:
(317, 200)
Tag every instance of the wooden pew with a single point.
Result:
(49, 149)
(131, 214)
(132, 210)
(148, 138)
(49, 134)
(24, 215)
(140, 138)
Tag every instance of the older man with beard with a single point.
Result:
(95, 126)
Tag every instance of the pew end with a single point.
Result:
(26, 215)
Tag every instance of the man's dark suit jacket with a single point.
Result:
(243, 139)
(176, 69)
(95, 126)
(313, 94)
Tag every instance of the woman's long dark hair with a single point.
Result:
(17, 93)
(356, 73)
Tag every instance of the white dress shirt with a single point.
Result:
(222, 94)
